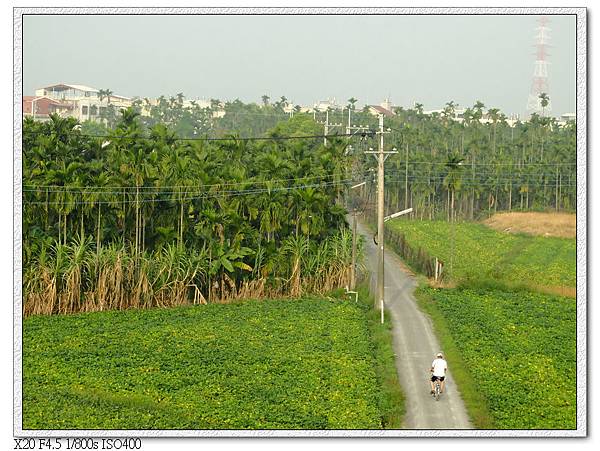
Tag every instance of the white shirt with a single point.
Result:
(439, 367)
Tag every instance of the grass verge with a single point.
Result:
(475, 403)
(392, 400)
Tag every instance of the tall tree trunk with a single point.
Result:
(521, 201)
(556, 195)
(124, 217)
(46, 209)
(473, 189)
(559, 190)
(496, 197)
(98, 231)
(180, 220)
(137, 218)
(82, 233)
(143, 233)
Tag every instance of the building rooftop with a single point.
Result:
(382, 110)
(70, 86)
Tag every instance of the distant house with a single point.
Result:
(384, 108)
(565, 118)
(377, 110)
(83, 101)
(568, 117)
(218, 108)
(40, 107)
(324, 105)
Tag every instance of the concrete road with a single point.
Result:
(415, 346)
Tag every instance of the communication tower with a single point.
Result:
(539, 83)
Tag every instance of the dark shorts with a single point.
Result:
(435, 378)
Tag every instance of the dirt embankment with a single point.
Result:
(561, 225)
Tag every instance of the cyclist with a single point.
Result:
(438, 372)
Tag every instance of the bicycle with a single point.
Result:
(436, 388)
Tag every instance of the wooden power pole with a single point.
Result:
(381, 156)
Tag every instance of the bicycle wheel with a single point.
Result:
(437, 391)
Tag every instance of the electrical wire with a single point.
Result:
(233, 138)
(168, 189)
(232, 193)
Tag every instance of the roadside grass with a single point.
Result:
(392, 401)
(509, 301)
(472, 251)
(515, 352)
(305, 363)
(475, 402)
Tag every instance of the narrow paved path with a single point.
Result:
(415, 346)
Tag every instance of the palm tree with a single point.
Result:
(544, 101)
(105, 94)
(453, 180)
(478, 107)
(494, 115)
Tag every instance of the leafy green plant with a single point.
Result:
(297, 364)
(482, 253)
(517, 351)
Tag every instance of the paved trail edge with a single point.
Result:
(415, 346)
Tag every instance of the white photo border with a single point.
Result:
(582, 311)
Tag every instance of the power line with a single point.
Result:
(466, 166)
(232, 138)
(231, 193)
(500, 182)
(169, 188)
(482, 176)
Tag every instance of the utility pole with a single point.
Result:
(381, 157)
(327, 126)
(406, 180)
(349, 123)
(353, 269)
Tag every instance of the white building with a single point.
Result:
(566, 117)
(84, 100)
(324, 105)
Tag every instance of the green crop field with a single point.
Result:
(479, 252)
(254, 365)
(519, 349)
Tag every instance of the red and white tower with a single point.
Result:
(540, 72)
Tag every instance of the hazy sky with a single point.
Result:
(428, 59)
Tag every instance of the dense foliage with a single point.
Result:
(301, 364)
(447, 168)
(191, 119)
(114, 220)
(498, 165)
(472, 252)
(520, 348)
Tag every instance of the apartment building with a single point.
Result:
(79, 101)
